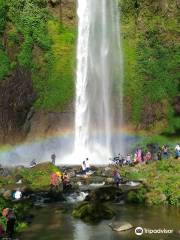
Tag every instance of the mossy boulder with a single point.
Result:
(103, 194)
(38, 177)
(97, 207)
(34, 179)
(92, 213)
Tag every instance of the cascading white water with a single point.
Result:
(98, 109)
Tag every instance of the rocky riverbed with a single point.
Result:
(90, 198)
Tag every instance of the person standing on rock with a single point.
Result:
(135, 158)
(177, 149)
(159, 154)
(165, 151)
(84, 167)
(117, 178)
(148, 157)
(87, 165)
(56, 181)
(66, 181)
(128, 159)
(139, 155)
(33, 163)
(53, 158)
(11, 220)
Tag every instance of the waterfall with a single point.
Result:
(99, 79)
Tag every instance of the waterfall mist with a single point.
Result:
(99, 79)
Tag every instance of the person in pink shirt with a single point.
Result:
(139, 155)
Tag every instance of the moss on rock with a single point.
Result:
(91, 212)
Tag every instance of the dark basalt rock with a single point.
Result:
(16, 99)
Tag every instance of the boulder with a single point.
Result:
(109, 180)
(120, 227)
(4, 172)
(91, 212)
(105, 193)
(2, 190)
(7, 194)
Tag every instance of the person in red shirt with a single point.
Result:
(56, 180)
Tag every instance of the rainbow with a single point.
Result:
(40, 148)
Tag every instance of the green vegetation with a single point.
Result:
(35, 179)
(158, 141)
(150, 36)
(38, 177)
(39, 43)
(3, 13)
(20, 210)
(4, 61)
(90, 212)
(4, 64)
(31, 36)
(138, 196)
(54, 83)
(161, 178)
(29, 18)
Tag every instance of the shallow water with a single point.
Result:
(51, 223)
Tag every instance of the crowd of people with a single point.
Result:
(60, 180)
(142, 156)
(139, 156)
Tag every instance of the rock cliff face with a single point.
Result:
(16, 98)
(43, 124)
(20, 119)
(151, 86)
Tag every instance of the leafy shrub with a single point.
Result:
(3, 13)
(30, 18)
(155, 198)
(47, 49)
(54, 84)
(151, 62)
(137, 196)
(25, 56)
(162, 180)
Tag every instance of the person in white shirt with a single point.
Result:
(83, 167)
(177, 149)
(128, 158)
(87, 165)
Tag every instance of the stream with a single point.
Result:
(52, 223)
